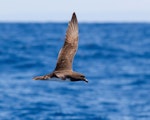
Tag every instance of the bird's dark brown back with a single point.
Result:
(67, 53)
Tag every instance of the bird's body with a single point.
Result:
(63, 70)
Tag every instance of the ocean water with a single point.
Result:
(115, 58)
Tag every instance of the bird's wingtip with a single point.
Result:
(74, 14)
(74, 18)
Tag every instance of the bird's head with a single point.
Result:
(82, 77)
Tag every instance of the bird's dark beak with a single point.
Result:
(85, 80)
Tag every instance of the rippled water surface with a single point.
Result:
(115, 58)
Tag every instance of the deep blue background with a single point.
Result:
(115, 58)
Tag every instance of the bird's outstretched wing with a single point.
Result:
(66, 54)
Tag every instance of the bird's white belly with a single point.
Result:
(59, 80)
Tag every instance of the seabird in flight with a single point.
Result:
(63, 70)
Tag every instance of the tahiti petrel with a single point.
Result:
(63, 70)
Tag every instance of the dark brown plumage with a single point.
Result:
(63, 69)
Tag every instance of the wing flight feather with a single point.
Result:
(67, 53)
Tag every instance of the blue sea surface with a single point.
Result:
(115, 58)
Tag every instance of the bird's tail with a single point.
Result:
(41, 77)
